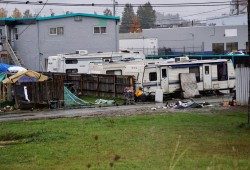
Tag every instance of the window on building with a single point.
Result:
(71, 61)
(75, 70)
(56, 31)
(232, 46)
(78, 18)
(196, 71)
(164, 73)
(100, 30)
(60, 31)
(103, 30)
(16, 33)
(218, 48)
(152, 76)
(222, 72)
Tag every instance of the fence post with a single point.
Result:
(114, 81)
(98, 85)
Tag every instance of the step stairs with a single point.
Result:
(17, 60)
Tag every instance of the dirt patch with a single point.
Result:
(6, 143)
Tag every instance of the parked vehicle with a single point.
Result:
(237, 53)
(79, 62)
(158, 74)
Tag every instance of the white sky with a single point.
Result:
(183, 11)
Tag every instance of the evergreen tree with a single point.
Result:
(146, 16)
(27, 14)
(16, 13)
(127, 18)
(107, 12)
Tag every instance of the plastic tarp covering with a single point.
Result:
(2, 76)
(4, 67)
(189, 85)
(71, 100)
(102, 101)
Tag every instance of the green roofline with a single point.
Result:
(62, 16)
(77, 14)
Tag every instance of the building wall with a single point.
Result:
(36, 44)
(78, 35)
(148, 46)
(27, 45)
(196, 39)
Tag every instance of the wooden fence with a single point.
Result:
(99, 85)
(39, 93)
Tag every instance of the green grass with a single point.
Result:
(153, 142)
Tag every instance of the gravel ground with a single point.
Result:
(116, 111)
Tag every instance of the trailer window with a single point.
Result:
(114, 72)
(196, 71)
(71, 61)
(206, 70)
(72, 70)
(222, 72)
(163, 73)
(152, 76)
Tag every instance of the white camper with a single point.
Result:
(79, 62)
(152, 75)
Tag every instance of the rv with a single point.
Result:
(160, 74)
(79, 62)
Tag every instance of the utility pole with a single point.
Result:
(248, 21)
(238, 7)
(114, 3)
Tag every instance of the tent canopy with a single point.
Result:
(26, 76)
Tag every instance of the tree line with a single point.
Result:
(16, 13)
(144, 18)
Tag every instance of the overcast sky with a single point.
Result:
(183, 11)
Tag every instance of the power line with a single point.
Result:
(35, 17)
(221, 3)
(170, 19)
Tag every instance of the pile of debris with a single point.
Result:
(182, 104)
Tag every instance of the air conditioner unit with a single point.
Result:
(181, 59)
(82, 52)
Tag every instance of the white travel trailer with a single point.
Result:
(151, 75)
(79, 62)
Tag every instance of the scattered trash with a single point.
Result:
(153, 108)
(102, 101)
(8, 108)
(225, 103)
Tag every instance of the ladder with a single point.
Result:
(15, 58)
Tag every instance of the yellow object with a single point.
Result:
(138, 93)
(225, 103)
(28, 73)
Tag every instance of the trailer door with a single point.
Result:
(164, 79)
(207, 77)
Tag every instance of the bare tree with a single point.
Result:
(3, 13)
(16, 13)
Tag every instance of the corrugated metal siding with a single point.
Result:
(242, 85)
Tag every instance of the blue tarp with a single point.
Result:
(4, 67)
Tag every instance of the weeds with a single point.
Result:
(172, 162)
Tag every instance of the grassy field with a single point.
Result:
(160, 141)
